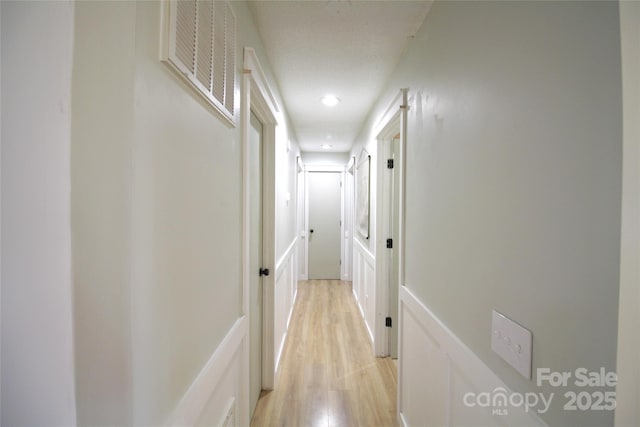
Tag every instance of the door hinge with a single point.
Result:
(389, 243)
(390, 164)
(387, 322)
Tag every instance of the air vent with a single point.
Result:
(199, 43)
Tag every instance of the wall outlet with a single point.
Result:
(512, 342)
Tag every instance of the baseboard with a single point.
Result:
(218, 392)
(403, 422)
(436, 370)
(369, 333)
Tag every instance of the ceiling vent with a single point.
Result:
(199, 43)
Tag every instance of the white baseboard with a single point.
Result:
(218, 390)
(436, 371)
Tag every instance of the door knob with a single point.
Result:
(311, 231)
(264, 272)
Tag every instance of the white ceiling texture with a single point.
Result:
(339, 47)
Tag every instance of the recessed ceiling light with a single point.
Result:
(326, 146)
(330, 100)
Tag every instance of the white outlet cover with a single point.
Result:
(512, 342)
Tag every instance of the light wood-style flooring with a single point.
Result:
(328, 374)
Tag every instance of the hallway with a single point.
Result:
(127, 287)
(328, 374)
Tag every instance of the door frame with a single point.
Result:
(250, 277)
(302, 270)
(322, 168)
(348, 214)
(628, 389)
(256, 96)
(393, 120)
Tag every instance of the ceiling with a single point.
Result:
(340, 47)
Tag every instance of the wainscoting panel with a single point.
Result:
(284, 297)
(437, 374)
(364, 285)
(422, 389)
(217, 396)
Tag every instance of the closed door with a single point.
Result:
(324, 225)
(255, 259)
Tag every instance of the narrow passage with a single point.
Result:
(328, 374)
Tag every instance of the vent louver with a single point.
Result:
(200, 44)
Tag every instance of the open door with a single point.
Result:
(255, 260)
(389, 225)
(393, 212)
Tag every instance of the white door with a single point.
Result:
(255, 259)
(324, 225)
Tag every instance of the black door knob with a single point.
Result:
(264, 272)
(311, 231)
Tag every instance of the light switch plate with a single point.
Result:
(512, 342)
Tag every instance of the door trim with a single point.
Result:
(302, 270)
(394, 119)
(258, 97)
(348, 213)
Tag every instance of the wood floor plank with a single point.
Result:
(328, 374)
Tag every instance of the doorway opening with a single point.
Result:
(324, 233)
(389, 224)
(325, 206)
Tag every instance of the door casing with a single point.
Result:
(393, 122)
(348, 213)
(301, 228)
(256, 96)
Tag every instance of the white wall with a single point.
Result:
(513, 180)
(37, 339)
(628, 390)
(286, 154)
(301, 260)
(348, 189)
(101, 187)
(186, 224)
(325, 158)
(144, 182)
(157, 211)
(364, 250)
